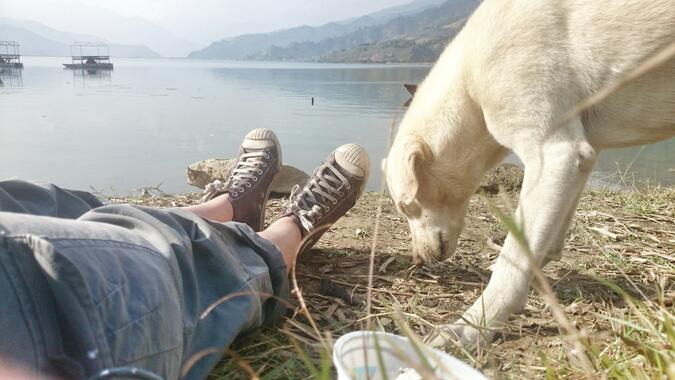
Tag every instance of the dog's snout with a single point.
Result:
(434, 249)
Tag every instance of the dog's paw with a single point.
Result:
(458, 334)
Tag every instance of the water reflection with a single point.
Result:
(377, 90)
(91, 77)
(11, 77)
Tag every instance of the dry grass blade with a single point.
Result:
(305, 310)
(190, 362)
(243, 364)
(378, 218)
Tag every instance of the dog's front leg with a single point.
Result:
(556, 170)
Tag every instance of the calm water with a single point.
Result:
(145, 122)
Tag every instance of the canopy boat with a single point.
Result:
(89, 56)
(9, 55)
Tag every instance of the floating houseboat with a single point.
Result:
(9, 55)
(89, 56)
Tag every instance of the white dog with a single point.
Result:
(506, 83)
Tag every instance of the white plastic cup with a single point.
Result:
(355, 357)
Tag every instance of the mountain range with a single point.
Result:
(417, 38)
(40, 40)
(415, 32)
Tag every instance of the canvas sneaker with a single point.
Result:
(332, 190)
(251, 179)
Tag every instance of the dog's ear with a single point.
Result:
(418, 158)
(412, 88)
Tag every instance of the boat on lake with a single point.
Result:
(9, 55)
(90, 56)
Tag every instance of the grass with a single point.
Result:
(614, 285)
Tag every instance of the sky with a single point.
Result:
(198, 21)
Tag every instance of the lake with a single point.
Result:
(145, 122)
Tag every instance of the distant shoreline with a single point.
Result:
(392, 64)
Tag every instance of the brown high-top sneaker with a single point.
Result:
(329, 193)
(251, 179)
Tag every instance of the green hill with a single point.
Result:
(416, 38)
(311, 43)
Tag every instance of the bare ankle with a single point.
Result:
(218, 209)
(284, 233)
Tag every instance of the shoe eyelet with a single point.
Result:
(340, 193)
(241, 190)
(260, 172)
(335, 202)
(264, 164)
(349, 186)
(327, 209)
(255, 179)
(267, 156)
(248, 184)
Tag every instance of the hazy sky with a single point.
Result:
(198, 20)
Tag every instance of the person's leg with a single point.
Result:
(217, 209)
(24, 197)
(128, 285)
(154, 288)
(133, 286)
(326, 197)
(284, 233)
(79, 285)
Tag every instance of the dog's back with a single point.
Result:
(569, 50)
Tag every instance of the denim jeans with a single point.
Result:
(88, 287)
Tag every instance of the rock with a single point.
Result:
(290, 176)
(506, 177)
(203, 172)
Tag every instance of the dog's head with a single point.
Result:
(430, 194)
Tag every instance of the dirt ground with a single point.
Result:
(627, 238)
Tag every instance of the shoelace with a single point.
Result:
(310, 202)
(247, 171)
